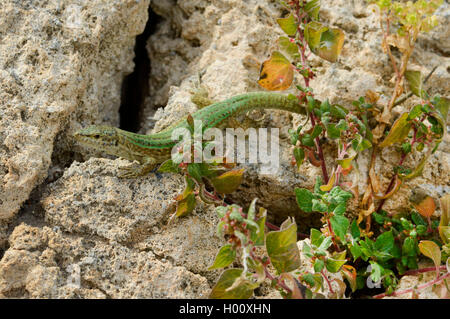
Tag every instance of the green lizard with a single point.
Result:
(153, 149)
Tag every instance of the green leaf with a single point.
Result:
(258, 237)
(442, 105)
(415, 82)
(252, 210)
(398, 132)
(282, 249)
(312, 8)
(339, 224)
(406, 148)
(220, 291)
(194, 171)
(186, 204)
(288, 25)
(307, 140)
(318, 206)
(309, 279)
(325, 106)
(445, 210)
(299, 155)
(325, 244)
(340, 209)
(333, 132)
(323, 41)
(338, 195)
(415, 112)
(355, 232)
(304, 199)
(356, 252)
(335, 263)
(318, 265)
(409, 247)
(363, 145)
(290, 48)
(317, 185)
(421, 230)
(385, 242)
(316, 131)
(228, 182)
(316, 237)
(220, 227)
(347, 162)
(342, 125)
(376, 272)
(224, 258)
(418, 168)
(293, 135)
(417, 219)
(431, 250)
(312, 103)
(338, 111)
(313, 33)
(331, 43)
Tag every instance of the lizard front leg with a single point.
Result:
(147, 164)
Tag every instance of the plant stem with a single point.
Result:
(320, 152)
(426, 285)
(327, 280)
(333, 235)
(269, 275)
(419, 271)
(302, 49)
(391, 184)
(403, 99)
(402, 159)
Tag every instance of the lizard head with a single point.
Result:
(100, 137)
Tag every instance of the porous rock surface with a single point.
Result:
(88, 234)
(61, 66)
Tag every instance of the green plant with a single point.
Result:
(390, 245)
(216, 173)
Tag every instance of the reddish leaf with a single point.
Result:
(277, 73)
(427, 207)
(431, 250)
(349, 273)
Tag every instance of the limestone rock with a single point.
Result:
(61, 66)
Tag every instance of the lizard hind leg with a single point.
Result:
(133, 171)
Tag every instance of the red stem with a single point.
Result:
(269, 275)
(419, 271)
(425, 285)
(302, 49)
(333, 235)
(328, 282)
(391, 184)
(320, 153)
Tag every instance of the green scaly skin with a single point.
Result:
(150, 150)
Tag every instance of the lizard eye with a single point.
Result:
(96, 136)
